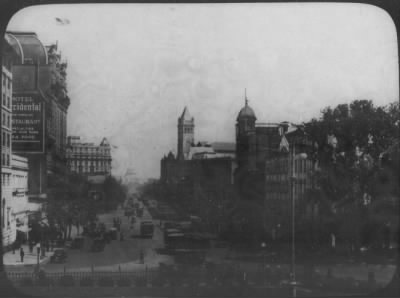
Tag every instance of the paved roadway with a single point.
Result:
(117, 254)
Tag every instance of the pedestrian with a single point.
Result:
(22, 254)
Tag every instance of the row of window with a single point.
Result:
(283, 188)
(5, 159)
(300, 187)
(88, 155)
(281, 166)
(87, 162)
(6, 82)
(188, 129)
(6, 100)
(6, 139)
(302, 165)
(277, 178)
(6, 120)
(20, 181)
(90, 150)
(5, 180)
(81, 169)
(277, 166)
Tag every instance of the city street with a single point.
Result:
(118, 254)
(124, 255)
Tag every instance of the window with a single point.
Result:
(4, 99)
(8, 83)
(8, 102)
(3, 213)
(3, 136)
(8, 121)
(8, 140)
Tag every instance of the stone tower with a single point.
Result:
(185, 134)
(246, 138)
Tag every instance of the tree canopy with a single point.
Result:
(352, 139)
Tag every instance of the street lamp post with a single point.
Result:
(300, 156)
(292, 194)
(263, 246)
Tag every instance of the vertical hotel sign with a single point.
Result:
(28, 123)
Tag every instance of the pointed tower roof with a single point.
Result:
(186, 115)
(104, 142)
(246, 111)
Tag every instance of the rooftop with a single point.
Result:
(224, 147)
(28, 47)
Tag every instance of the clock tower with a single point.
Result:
(185, 134)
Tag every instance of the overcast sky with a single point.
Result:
(133, 68)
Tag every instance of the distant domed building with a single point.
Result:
(245, 137)
(267, 157)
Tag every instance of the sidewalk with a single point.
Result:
(10, 259)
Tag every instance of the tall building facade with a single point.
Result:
(201, 174)
(39, 105)
(274, 167)
(8, 233)
(88, 158)
(288, 176)
(21, 207)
